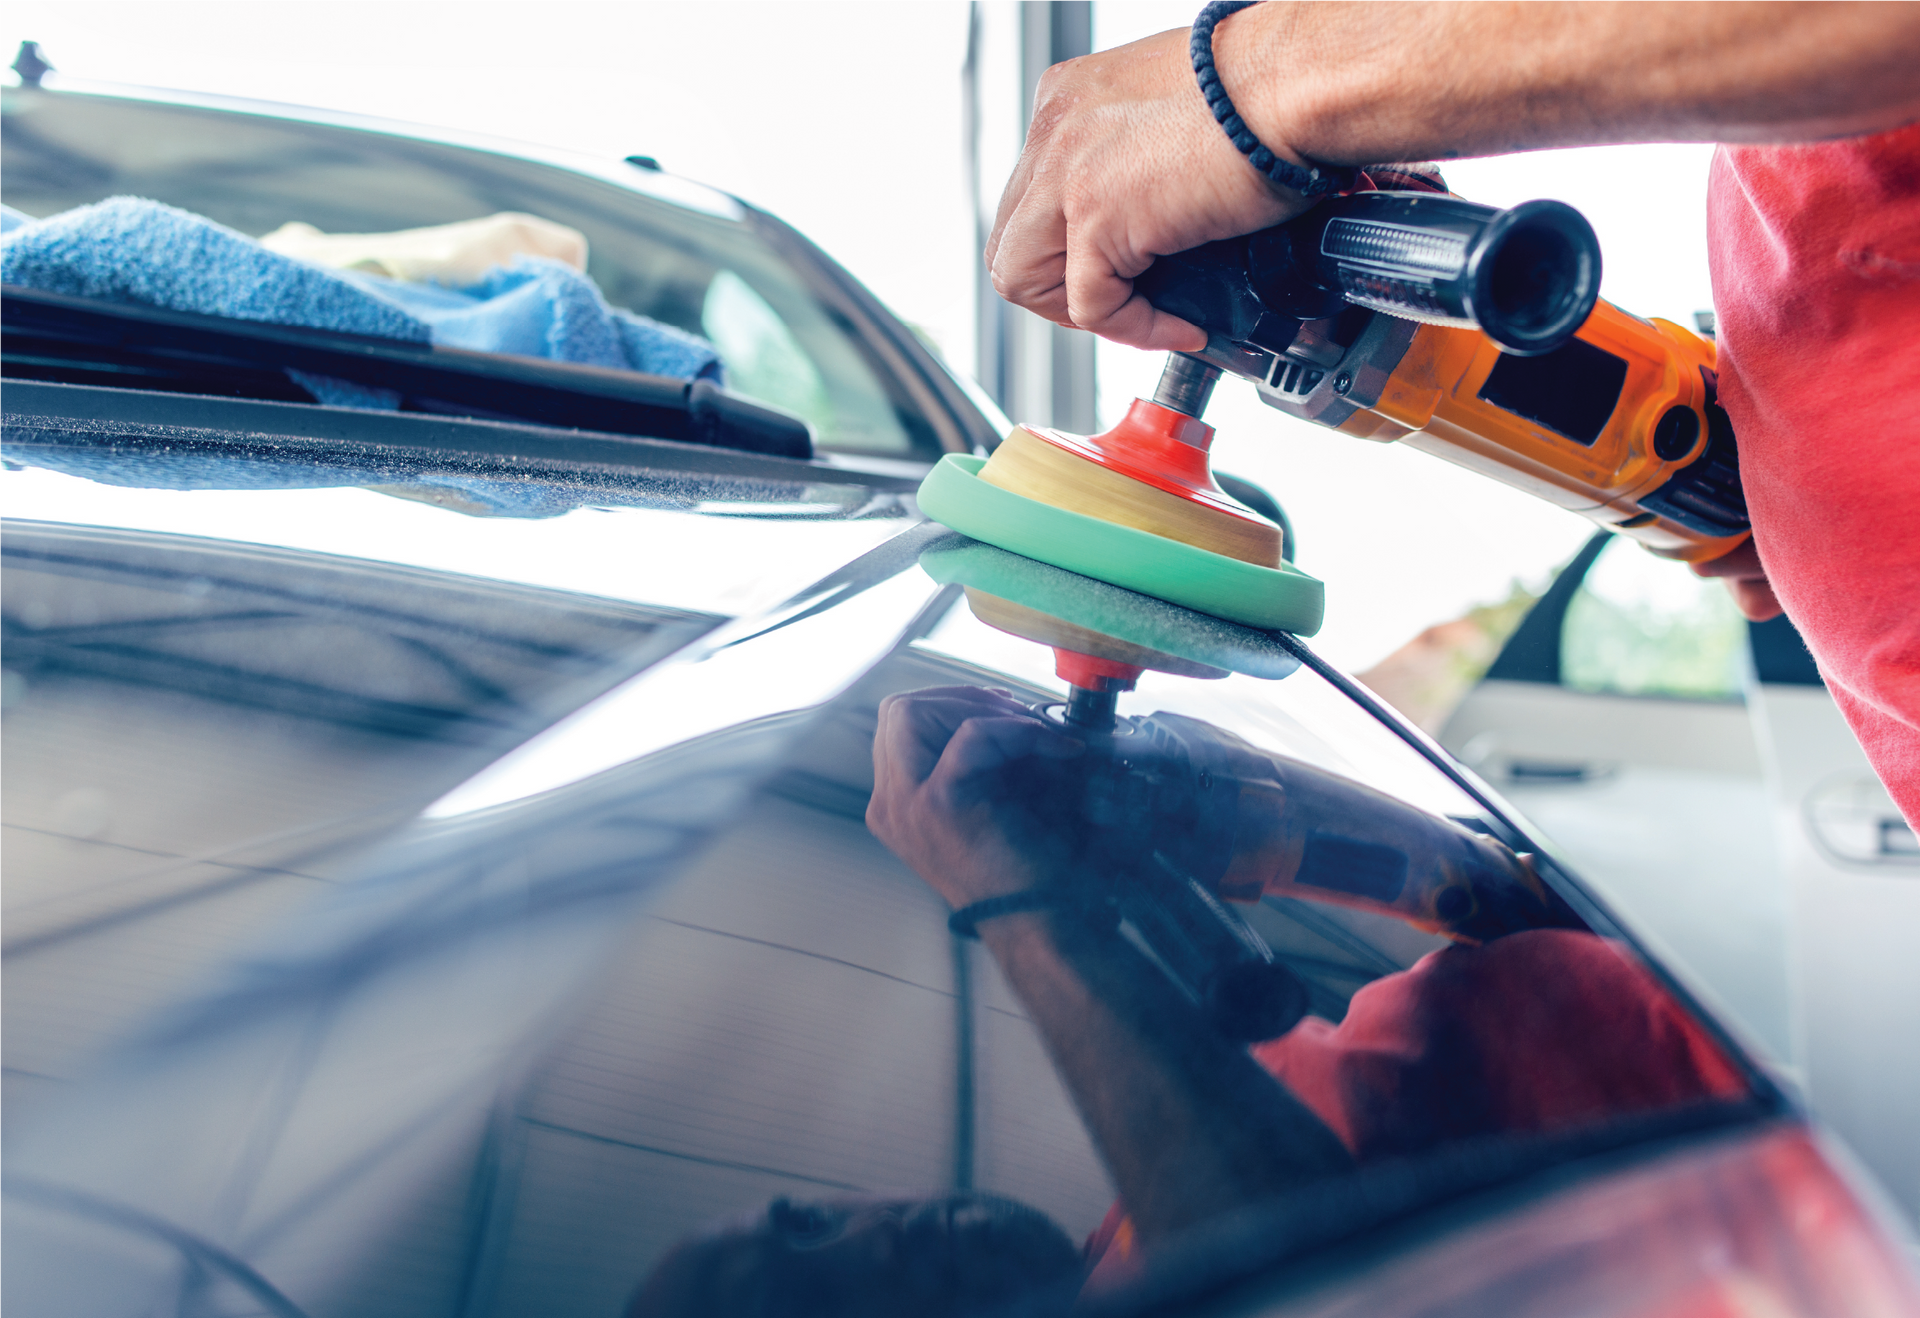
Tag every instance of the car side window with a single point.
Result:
(763, 359)
(1645, 626)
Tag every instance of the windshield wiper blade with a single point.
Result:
(50, 336)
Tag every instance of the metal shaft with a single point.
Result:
(1092, 709)
(1186, 385)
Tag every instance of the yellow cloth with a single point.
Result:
(454, 254)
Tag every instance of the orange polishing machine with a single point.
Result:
(1477, 335)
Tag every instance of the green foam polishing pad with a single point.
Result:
(1110, 610)
(1276, 599)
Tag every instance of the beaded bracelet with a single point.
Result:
(1312, 181)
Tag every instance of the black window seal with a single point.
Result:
(49, 334)
(1259, 1257)
(1559, 877)
(1532, 653)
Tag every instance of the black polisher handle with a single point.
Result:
(1527, 276)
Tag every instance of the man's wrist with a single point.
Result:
(1358, 84)
(1050, 936)
(1253, 53)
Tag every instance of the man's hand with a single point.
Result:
(1123, 163)
(1746, 581)
(940, 761)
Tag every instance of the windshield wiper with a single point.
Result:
(73, 340)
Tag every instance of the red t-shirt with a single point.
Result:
(1539, 1031)
(1815, 252)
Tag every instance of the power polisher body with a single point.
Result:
(1476, 335)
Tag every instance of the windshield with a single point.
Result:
(670, 251)
(418, 905)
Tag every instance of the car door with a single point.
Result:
(1616, 718)
(1852, 883)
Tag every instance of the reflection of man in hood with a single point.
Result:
(949, 1257)
(1528, 1023)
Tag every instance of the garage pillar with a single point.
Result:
(1035, 370)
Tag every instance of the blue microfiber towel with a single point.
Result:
(127, 249)
(539, 307)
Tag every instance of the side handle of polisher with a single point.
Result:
(1315, 836)
(1268, 825)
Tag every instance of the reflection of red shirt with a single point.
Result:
(1816, 281)
(1535, 1032)
(1538, 1031)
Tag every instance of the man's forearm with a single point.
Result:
(1354, 84)
(1189, 1124)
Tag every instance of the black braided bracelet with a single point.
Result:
(1314, 180)
(966, 921)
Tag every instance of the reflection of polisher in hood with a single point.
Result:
(1183, 577)
(1176, 818)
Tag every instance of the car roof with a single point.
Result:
(654, 182)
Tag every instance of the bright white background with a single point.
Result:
(846, 120)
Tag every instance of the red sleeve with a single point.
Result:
(1534, 1032)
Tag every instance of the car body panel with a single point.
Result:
(1853, 895)
(434, 903)
(480, 988)
(1745, 837)
(1708, 1230)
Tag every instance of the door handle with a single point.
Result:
(1853, 819)
(1554, 771)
